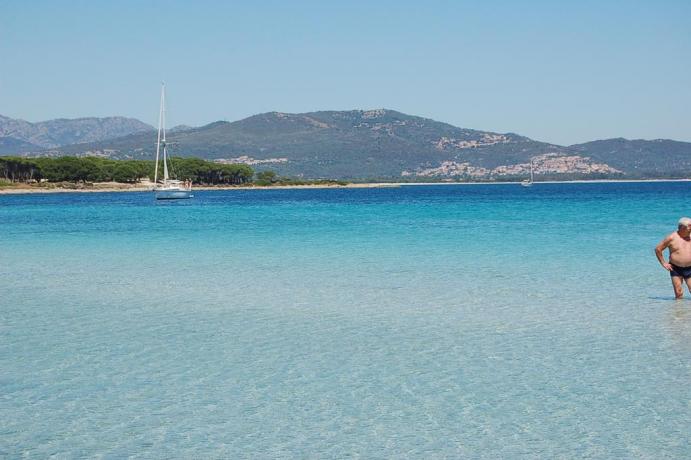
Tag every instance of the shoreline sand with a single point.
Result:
(110, 187)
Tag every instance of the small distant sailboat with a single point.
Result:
(529, 182)
(167, 189)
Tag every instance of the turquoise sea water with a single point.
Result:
(415, 322)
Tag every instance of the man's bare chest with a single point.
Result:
(680, 245)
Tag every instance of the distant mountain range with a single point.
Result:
(356, 144)
(18, 136)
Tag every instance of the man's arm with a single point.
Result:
(660, 256)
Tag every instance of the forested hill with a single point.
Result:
(641, 158)
(386, 144)
(377, 143)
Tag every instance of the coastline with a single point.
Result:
(111, 187)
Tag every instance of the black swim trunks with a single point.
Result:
(684, 272)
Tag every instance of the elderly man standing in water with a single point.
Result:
(679, 265)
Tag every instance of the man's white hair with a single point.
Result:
(685, 222)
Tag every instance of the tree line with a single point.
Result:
(95, 169)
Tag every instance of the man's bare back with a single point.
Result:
(679, 264)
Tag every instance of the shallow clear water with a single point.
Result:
(438, 321)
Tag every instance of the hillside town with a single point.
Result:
(549, 163)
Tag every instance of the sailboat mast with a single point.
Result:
(531, 170)
(158, 141)
(163, 129)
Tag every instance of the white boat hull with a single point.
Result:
(173, 194)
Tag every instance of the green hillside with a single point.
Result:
(352, 144)
(641, 158)
(385, 144)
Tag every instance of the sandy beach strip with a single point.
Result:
(110, 187)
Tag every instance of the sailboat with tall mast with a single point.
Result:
(529, 182)
(167, 189)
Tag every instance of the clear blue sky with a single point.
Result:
(551, 70)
